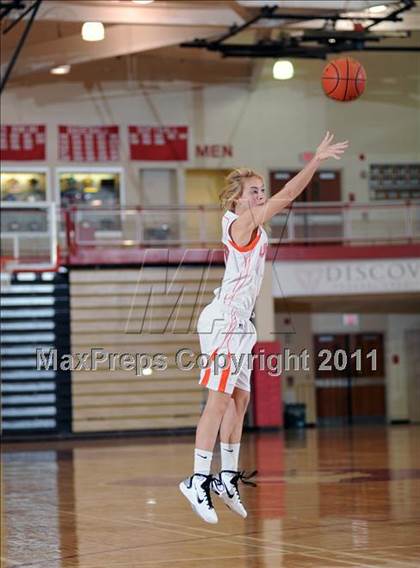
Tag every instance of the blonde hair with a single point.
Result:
(233, 187)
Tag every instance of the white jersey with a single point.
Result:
(244, 268)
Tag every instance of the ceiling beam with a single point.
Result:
(202, 13)
(119, 41)
(171, 13)
(150, 69)
(242, 11)
(339, 5)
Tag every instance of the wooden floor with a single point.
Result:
(325, 499)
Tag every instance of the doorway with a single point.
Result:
(349, 378)
(202, 187)
(324, 187)
(158, 187)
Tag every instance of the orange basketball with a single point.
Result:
(344, 79)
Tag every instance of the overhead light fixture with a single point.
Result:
(283, 69)
(142, 1)
(378, 9)
(257, 3)
(332, 40)
(147, 371)
(93, 31)
(60, 70)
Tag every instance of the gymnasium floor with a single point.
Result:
(327, 498)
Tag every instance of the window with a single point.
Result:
(23, 186)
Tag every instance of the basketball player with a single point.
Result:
(227, 334)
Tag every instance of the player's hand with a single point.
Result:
(329, 150)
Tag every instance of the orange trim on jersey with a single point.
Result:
(226, 372)
(224, 377)
(204, 381)
(249, 246)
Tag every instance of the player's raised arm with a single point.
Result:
(251, 217)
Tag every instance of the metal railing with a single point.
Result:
(29, 236)
(357, 223)
(31, 232)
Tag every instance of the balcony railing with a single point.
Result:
(32, 231)
(201, 226)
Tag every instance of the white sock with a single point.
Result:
(229, 456)
(202, 461)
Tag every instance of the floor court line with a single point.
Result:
(164, 525)
(220, 535)
(284, 544)
(310, 550)
(284, 550)
(267, 546)
(323, 550)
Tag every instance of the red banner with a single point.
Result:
(22, 142)
(158, 143)
(88, 143)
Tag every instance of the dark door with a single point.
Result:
(368, 377)
(349, 378)
(325, 186)
(331, 380)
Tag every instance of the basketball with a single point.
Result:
(344, 79)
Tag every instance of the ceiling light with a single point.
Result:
(283, 69)
(93, 31)
(147, 371)
(257, 3)
(332, 40)
(60, 70)
(377, 9)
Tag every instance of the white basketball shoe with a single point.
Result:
(197, 490)
(225, 486)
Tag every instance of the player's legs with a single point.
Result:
(217, 338)
(209, 423)
(226, 484)
(197, 487)
(233, 419)
(215, 332)
(232, 423)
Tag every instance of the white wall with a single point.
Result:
(268, 126)
(398, 374)
(297, 336)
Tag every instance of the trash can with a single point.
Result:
(295, 415)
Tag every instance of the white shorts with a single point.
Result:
(227, 338)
